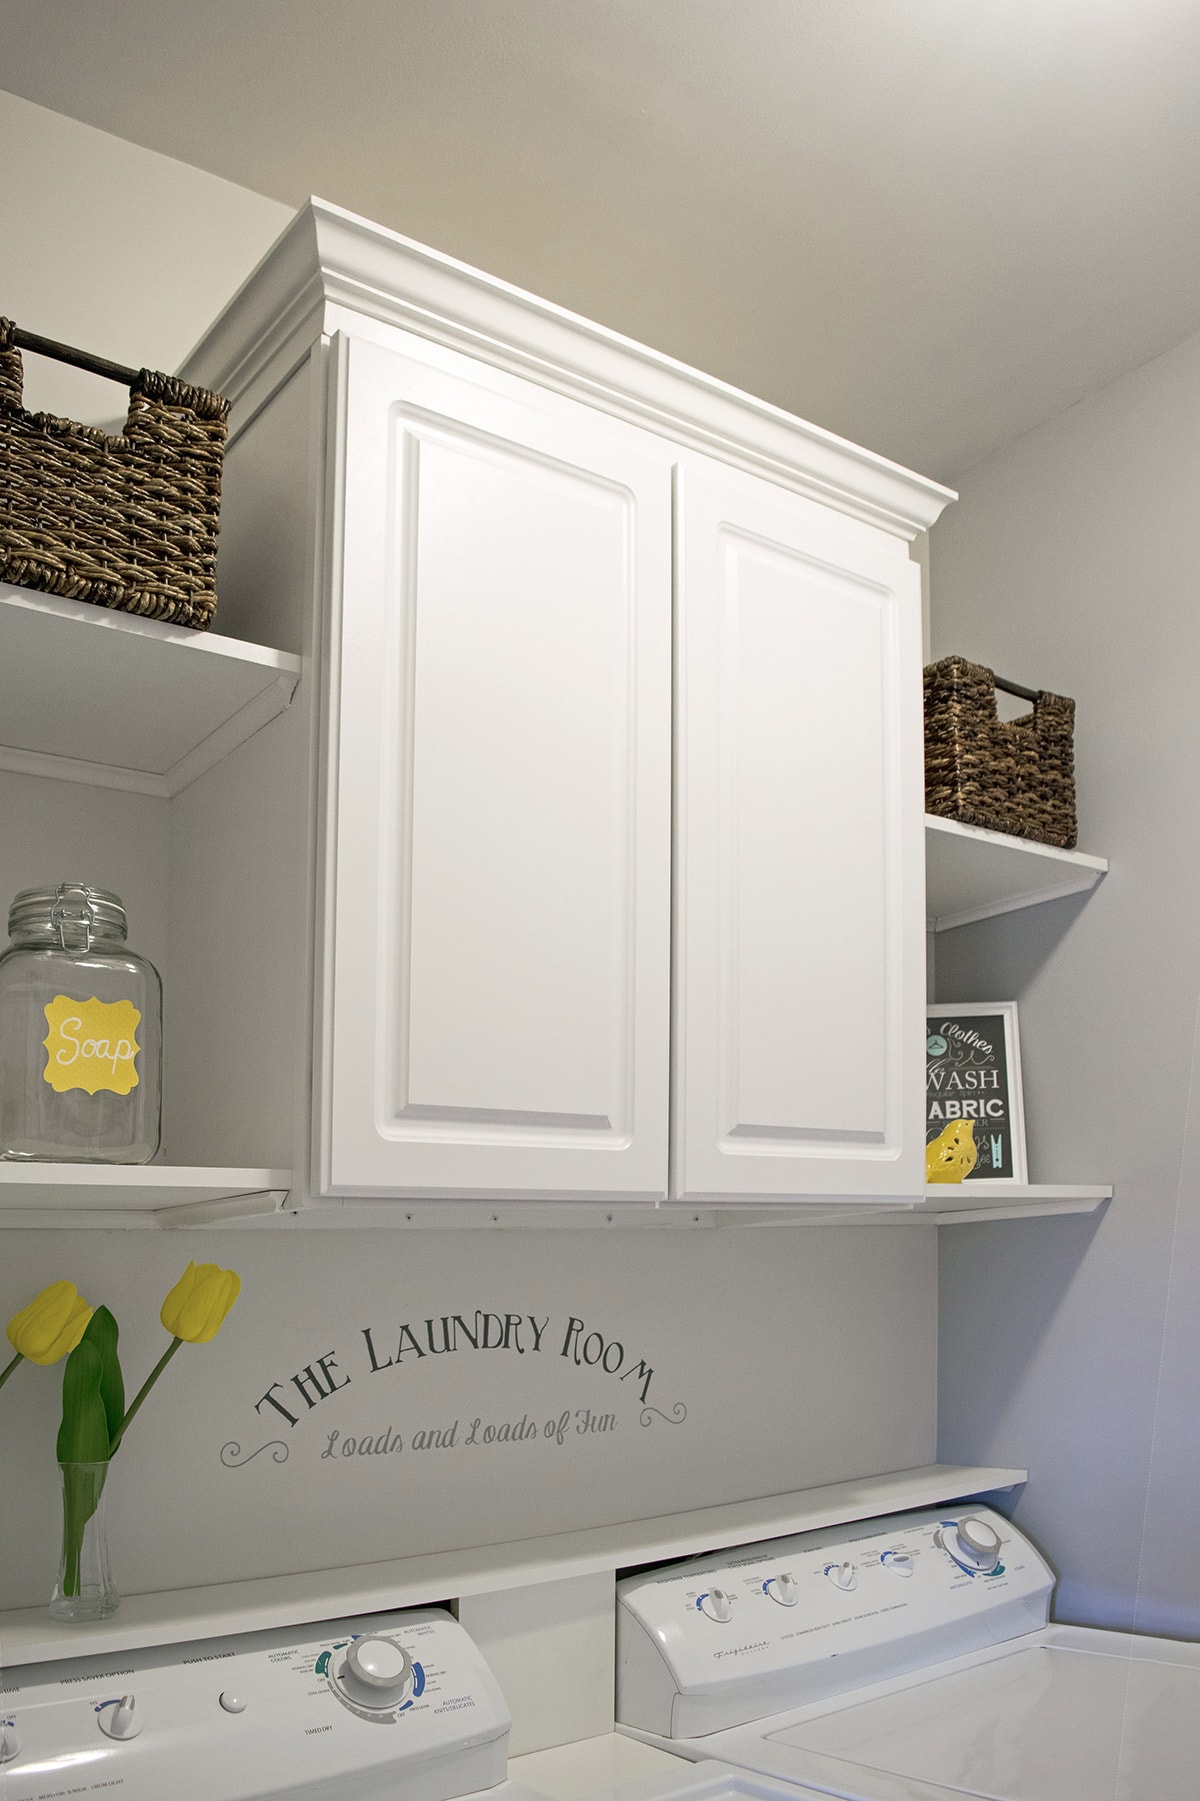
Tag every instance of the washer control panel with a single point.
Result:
(721, 1640)
(236, 1719)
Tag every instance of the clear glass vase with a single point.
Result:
(84, 1589)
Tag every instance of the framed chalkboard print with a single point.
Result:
(973, 1072)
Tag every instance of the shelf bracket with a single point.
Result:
(220, 1212)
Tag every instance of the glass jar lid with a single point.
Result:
(70, 915)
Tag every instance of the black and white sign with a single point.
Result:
(973, 1073)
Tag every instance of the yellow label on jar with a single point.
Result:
(91, 1045)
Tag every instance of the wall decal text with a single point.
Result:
(405, 1346)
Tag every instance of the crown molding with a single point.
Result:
(329, 259)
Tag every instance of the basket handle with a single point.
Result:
(1016, 688)
(148, 383)
(80, 359)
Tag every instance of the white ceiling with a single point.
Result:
(926, 224)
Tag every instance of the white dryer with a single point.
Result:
(908, 1658)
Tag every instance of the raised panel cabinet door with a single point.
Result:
(800, 937)
(493, 1011)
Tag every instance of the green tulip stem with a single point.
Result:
(6, 1373)
(143, 1391)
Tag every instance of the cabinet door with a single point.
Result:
(800, 947)
(493, 1013)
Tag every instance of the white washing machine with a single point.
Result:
(391, 1707)
(903, 1659)
(394, 1706)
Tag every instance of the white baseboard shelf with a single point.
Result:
(28, 1635)
(69, 1195)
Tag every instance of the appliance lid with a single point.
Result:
(1083, 1716)
(707, 1781)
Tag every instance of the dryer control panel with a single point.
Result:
(395, 1702)
(722, 1640)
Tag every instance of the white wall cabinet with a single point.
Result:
(799, 975)
(498, 821)
(476, 514)
(498, 824)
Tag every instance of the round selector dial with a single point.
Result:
(375, 1675)
(122, 1720)
(717, 1604)
(973, 1543)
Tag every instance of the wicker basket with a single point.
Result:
(1013, 776)
(127, 522)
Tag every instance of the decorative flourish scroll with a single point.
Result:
(676, 1416)
(231, 1454)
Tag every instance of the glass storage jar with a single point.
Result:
(80, 1033)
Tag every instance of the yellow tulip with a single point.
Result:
(196, 1307)
(51, 1325)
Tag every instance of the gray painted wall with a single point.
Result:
(1071, 562)
(779, 1362)
(116, 250)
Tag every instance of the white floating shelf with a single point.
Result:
(966, 1203)
(63, 1195)
(92, 695)
(509, 1216)
(945, 1204)
(972, 874)
(28, 1635)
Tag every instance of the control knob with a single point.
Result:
(841, 1575)
(899, 1562)
(972, 1543)
(377, 1673)
(716, 1604)
(782, 1588)
(10, 1743)
(123, 1721)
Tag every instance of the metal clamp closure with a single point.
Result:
(73, 917)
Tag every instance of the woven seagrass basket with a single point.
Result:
(1014, 776)
(128, 522)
